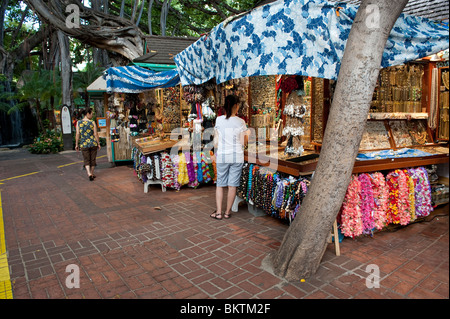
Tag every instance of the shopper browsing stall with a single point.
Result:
(230, 136)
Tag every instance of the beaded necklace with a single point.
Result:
(267, 191)
(250, 177)
(254, 184)
(280, 194)
(242, 189)
(259, 189)
(274, 190)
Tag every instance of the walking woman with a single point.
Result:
(86, 139)
(231, 134)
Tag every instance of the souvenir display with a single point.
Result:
(278, 196)
(399, 89)
(375, 136)
(295, 112)
(374, 201)
(397, 128)
(175, 171)
(408, 133)
(171, 109)
(443, 129)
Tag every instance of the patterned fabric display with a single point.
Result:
(304, 37)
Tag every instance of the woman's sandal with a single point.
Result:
(216, 215)
(227, 216)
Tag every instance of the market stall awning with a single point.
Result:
(98, 86)
(134, 79)
(304, 37)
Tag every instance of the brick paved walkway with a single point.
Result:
(128, 244)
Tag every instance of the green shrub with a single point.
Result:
(46, 143)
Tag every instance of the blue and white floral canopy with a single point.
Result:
(304, 37)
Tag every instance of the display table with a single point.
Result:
(148, 145)
(380, 135)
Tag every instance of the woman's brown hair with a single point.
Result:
(230, 101)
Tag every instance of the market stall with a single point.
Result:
(266, 43)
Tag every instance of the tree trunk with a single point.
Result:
(306, 239)
(39, 117)
(66, 70)
(3, 6)
(149, 17)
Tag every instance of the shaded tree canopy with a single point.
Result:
(119, 26)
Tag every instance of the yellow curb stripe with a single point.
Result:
(5, 280)
(76, 162)
(10, 178)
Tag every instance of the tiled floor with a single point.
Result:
(128, 244)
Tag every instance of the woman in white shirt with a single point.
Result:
(231, 134)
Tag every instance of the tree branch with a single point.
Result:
(103, 31)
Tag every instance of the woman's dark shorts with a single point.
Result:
(89, 156)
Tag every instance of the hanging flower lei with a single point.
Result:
(404, 210)
(193, 160)
(411, 187)
(205, 169)
(175, 163)
(199, 167)
(422, 193)
(190, 167)
(398, 207)
(167, 175)
(183, 178)
(351, 222)
(380, 195)
(367, 204)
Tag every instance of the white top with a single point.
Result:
(230, 148)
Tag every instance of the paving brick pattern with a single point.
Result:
(128, 244)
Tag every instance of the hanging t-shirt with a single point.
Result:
(230, 148)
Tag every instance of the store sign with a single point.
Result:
(65, 121)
